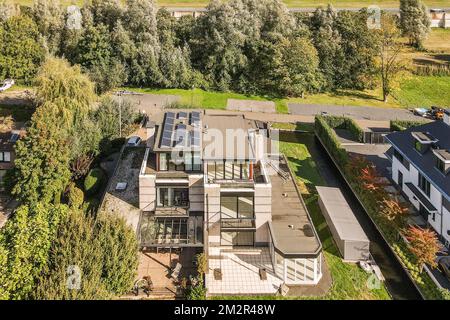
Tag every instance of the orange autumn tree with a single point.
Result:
(424, 244)
(394, 211)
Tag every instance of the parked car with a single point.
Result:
(134, 141)
(422, 112)
(444, 266)
(437, 113)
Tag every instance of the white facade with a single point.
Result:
(439, 220)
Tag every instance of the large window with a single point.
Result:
(172, 197)
(186, 161)
(401, 159)
(5, 156)
(424, 184)
(440, 165)
(237, 206)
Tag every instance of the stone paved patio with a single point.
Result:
(240, 272)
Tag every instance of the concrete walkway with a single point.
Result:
(365, 113)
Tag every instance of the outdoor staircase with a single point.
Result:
(283, 174)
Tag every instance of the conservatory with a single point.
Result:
(294, 260)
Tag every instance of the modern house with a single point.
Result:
(440, 18)
(208, 181)
(7, 153)
(421, 168)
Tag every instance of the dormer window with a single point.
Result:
(442, 160)
(423, 141)
(440, 165)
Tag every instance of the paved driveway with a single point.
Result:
(367, 113)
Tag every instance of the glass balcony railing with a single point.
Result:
(236, 223)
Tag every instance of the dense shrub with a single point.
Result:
(99, 255)
(75, 196)
(400, 125)
(93, 181)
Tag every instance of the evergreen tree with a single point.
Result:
(20, 50)
(415, 22)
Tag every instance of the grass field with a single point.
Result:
(414, 91)
(290, 3)
(198, 98)
(424, 92)
(349, 281)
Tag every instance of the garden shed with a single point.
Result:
(348, 234)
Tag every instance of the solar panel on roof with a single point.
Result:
(170, 115)
(166, 143)
(195, 138)
(195, 118)
(182, 115)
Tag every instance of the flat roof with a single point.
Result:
(341, 215)
(293, 231)
(234, 129)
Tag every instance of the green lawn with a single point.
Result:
(290, 3)
(349, 281)
(413, 91)
(199, 98)
(421, 91)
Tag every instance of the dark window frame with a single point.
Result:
(237, 196)
(424, 184)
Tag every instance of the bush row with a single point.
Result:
(400, 125)
(433, 70)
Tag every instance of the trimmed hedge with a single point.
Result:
(326, 133)
(93, 181)
(341, 122)
(400, 125)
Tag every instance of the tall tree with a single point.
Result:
(42, 158)
(389, 47)
(65, 86)
(415, 22)
(49, 18)
(20, 51)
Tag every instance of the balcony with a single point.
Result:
(237, 224)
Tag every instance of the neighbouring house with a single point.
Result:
(440, 18)
(209, 182)
(421, 168)
(7, 153)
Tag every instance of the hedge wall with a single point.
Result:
(326, 133)
(400, 125)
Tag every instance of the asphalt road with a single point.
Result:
(364, 113)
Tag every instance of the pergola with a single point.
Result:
(170, 232)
